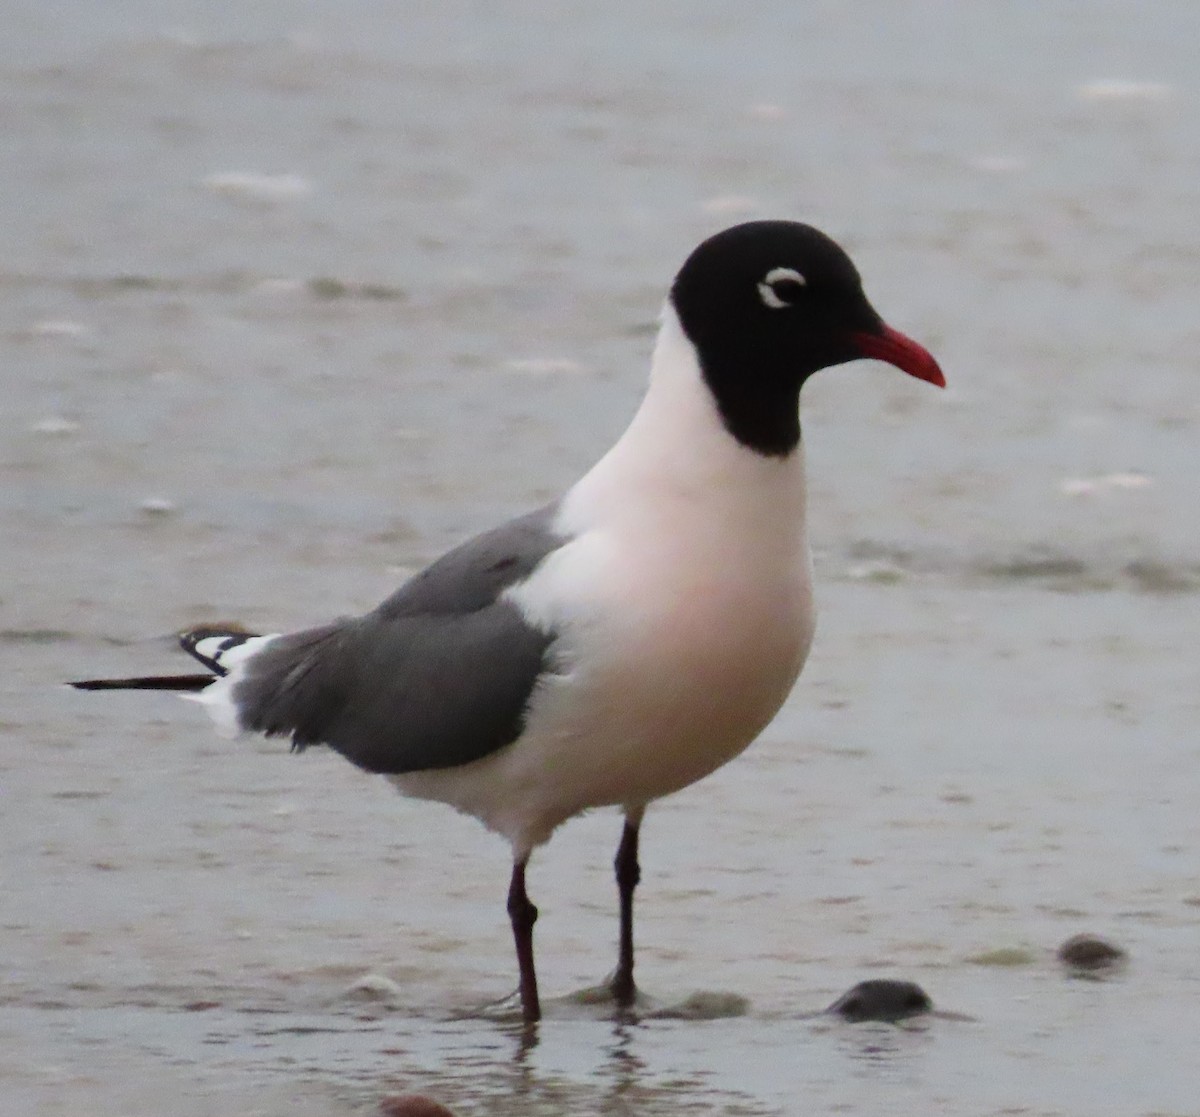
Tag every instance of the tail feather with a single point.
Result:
(148, 682)
(211, 646)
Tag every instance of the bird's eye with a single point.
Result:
(781, 287)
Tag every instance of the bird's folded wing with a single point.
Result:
(438, 675)
(398, 694)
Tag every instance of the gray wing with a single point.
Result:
(438, 675)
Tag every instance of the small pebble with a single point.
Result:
(705, 1006)
(58, 327)
(881, 999)
(880, 571)
(767, 110)
(327, 287)
(374, 987)
(729, 205)
(278, 285)
(1004, 956)
(55, 425)
(544, 366)
(1090, 953)
(1122, 89)
(413, 1105)
(1109, 482)
(997, 164)
(254, 187)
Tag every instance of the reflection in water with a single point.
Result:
(886, 1051)
(598, 1070)
(625, 1069)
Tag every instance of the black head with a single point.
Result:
(767, 304)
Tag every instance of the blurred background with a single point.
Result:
(293, 297)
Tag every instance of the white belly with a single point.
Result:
(661, 678)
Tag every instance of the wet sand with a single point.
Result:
(291, 305)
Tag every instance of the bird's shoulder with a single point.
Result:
(474, 574)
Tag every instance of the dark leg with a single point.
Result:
(523, 916)
(628, 875)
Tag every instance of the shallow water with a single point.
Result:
(290, 304)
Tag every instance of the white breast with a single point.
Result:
(683, 613)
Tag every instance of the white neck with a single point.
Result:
(677, 447)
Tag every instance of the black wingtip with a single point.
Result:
(148, 682)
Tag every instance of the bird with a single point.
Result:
(624, 640)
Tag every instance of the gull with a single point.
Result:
(621, 642)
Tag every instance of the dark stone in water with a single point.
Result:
(412, 1105)
(1090, 953)
(881, 999)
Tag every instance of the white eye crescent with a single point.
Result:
(784, 277)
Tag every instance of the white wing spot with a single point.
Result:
(766, 288)
(210, 647)
(218, 695)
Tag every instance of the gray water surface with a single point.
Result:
(291, 300)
